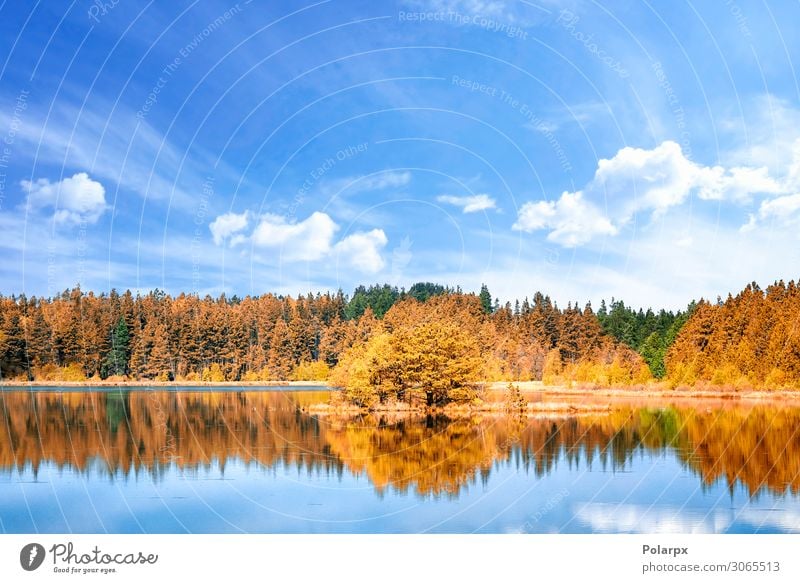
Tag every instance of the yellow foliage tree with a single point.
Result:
(437, 361)
(213, 374)
(311, 371)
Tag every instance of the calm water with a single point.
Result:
(257, 461)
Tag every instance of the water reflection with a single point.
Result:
(131, 432)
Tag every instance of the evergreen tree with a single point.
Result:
(116, 361)
(486, 299)
(13, 360)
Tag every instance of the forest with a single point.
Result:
(431, 341)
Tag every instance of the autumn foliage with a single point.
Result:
(441, 349)
(79, 336)
(433, 342)
(435, 345)
(434, 349)
(751, 340)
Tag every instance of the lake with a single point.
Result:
(201, 461)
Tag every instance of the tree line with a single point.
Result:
(81, 335)
(748, 340)
(386, 342)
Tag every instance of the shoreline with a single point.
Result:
(166, 384)
(660, 390)
(655, 390)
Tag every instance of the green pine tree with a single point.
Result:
(116, 361)
(486, 299)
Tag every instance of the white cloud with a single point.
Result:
(645, 179)
(684, 257)
(384, 180)
(781, 209)
(367, 183)
(637, 180)
(362, 250)
(572, 221)
(469, 204)
(227, 225)
(311, 239)
(581, 114)
(543, 126)
(655, 180)
(115, 146)
(738, 184)
(308, 240)
(74, 199)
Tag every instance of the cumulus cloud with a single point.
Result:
(653, 181)
(469, 204)
(363, 250)
(312, 239)
(737, 184)
(571, 219)
(307, 240)
(74, 200)
(227, 225)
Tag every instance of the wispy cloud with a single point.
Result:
(115, 147)
(469, 204)
(341, 193)
(365, 183)
(585, 113)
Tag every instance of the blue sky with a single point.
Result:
(640, 150)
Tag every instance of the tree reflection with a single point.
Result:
(131, 432)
